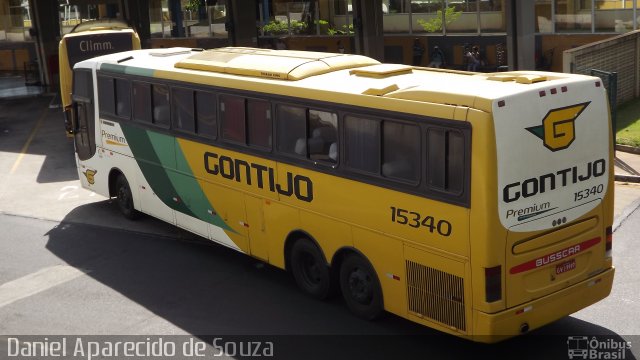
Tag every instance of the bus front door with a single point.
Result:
(84, 115)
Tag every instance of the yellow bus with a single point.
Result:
(86, 40)
(480, 205)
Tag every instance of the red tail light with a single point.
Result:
(493, 283)
(609, 242)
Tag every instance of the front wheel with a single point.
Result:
(360, 287)
(125, 199)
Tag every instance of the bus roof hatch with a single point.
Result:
(272, 64)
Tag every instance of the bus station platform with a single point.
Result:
(39, 178)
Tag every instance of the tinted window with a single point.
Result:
(106, 95)
(445, 160)
(232, 118)
(160, 99)
(123, 98)
(362, 144)
(206, 114)
(291, 130)
(141, 101)
(323, 136)
(401, 151)
(82, 84)
(259, 123)
(183, 108)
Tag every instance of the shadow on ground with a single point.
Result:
(209, 290)
(18, 119)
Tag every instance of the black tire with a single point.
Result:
(310, 269)
(124, 199)
(361, 288)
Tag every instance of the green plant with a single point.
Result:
(346, 30)
(277, 27)
(435, 24)
(192, 5)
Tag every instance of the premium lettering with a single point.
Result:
(552, 181)
(299, 186)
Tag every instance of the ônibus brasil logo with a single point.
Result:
(558, 127)
(583, 347)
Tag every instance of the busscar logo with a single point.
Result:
(558, 127)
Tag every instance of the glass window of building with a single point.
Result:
(461, 16)
(492, 16)
(544, 19)
(613, 15)
(573, 15)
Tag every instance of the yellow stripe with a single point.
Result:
(24, 149)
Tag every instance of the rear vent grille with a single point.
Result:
(436, 295)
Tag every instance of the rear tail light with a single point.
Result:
(609, 242)
(493, 283)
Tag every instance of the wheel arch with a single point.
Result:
(341, 254)
(113, 176)
(291, 239)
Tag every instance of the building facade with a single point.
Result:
(519, 34)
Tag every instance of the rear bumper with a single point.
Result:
(499, 326)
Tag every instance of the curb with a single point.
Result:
(627, 178)
(629, 149)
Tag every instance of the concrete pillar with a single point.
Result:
(47, 37)
(241, 25)
(521, 34)
(367, 23)
(175, 9)
(136, 13)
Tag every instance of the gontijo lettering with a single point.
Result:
(299, 186)
(550, 181)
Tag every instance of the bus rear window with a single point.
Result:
(445, 160)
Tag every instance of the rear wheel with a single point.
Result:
(125, 199)
(360, 287)
(310, 269)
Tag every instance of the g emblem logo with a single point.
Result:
(558, 127)
(89, 174)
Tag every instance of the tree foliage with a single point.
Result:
(435, 24)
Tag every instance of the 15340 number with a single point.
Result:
(416, 220)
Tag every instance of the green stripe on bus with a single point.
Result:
(129, 70)
(189, 188)
(157, 160)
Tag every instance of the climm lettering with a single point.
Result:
(243, 172)
(89, 45)
(551, 181)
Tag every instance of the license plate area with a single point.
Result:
(565, 266)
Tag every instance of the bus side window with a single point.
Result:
(445, 160)
(259, 123)
(106, 95)
(401, 151)
(123, 98)
(206, 124)
(160, 100)
(183, 110)
(323, 131)
(232, 118)
(291, 130)
(141, 102)
(362, 144)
